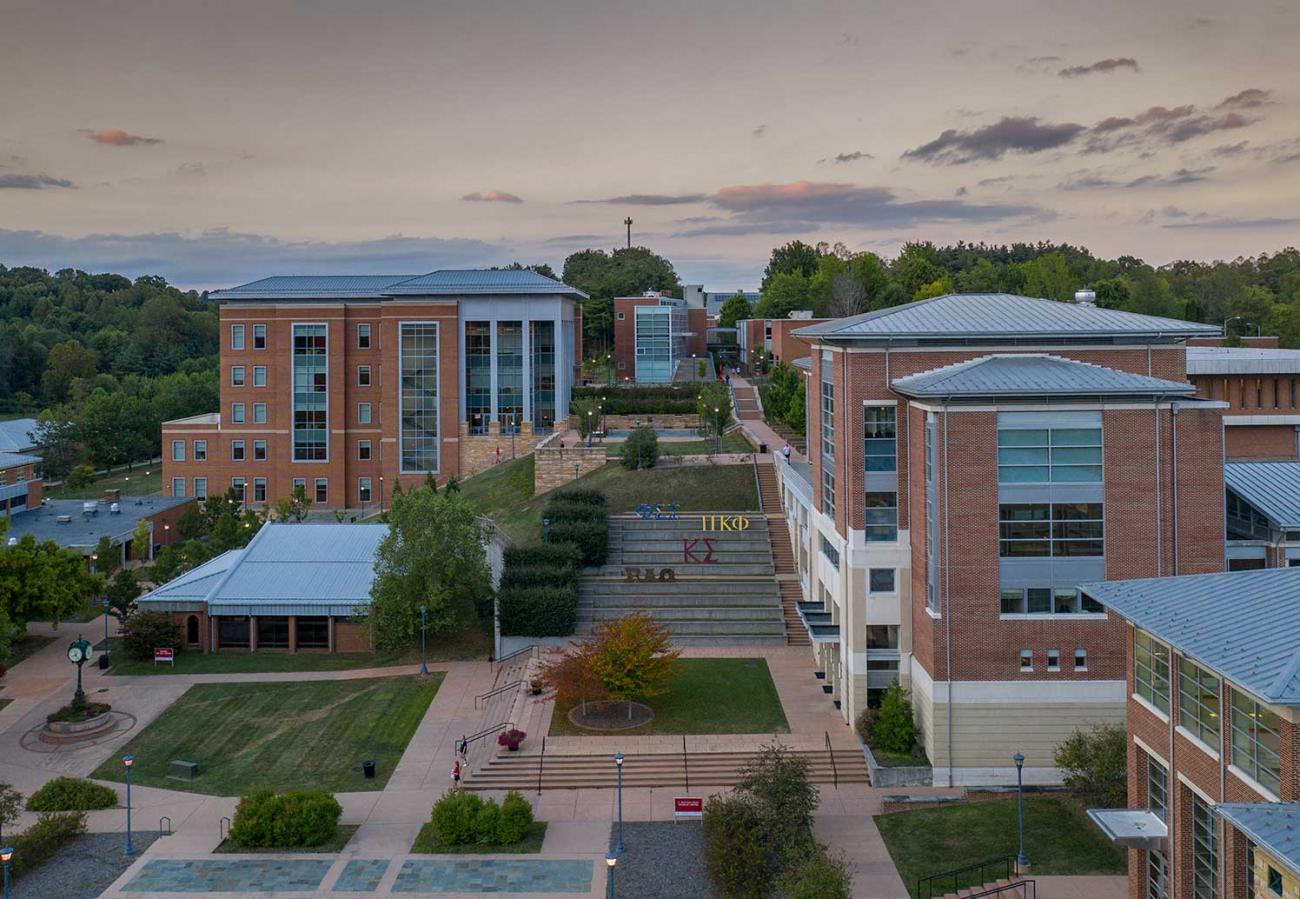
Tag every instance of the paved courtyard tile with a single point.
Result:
(494, 876)
(250, 875)
(361, 875)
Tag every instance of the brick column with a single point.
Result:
(252, 633)
(293, 633)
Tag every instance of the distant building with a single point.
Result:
(1263, 514)
(711, 301)
(19, 485)
(1261, 385)
(758, 337)
(18, 435)
(653, 334)
(80, 524)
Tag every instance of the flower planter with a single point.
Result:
(78, 727)
(896, 776)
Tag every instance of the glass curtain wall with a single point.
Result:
(478, 376)
(418, 407)
(510, 376)
(310, 394)
(542, 344)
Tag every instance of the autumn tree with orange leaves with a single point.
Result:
(627, 658)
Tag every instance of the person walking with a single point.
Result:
(455, 777)
(462, 748)
(786, 452)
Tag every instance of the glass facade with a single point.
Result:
(882, 517)
(1057, 530)
(1257, 742)
(880, 443)
(510, 376)
(478, 376)
(1198, 702)
(1049, 456)
(310, 394)
(418, 401)
(660, 341)
(1151, 671)
(1205, 851)
(542, 345)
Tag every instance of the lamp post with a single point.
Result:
(129, 762)
(638, 443)
(611, 860)
(424, 669)
(717, 429)
(590, 425)
(609, 367)
(6, 855)
(1022, 860)
(381, 494)
(618, 763)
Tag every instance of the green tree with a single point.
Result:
(11, 808)
(1284, 321)
(116, 428)
(895, 726)
(81, 478)
(1095, 764)
(107, 556)
(794, 258)
(937, 288)
(713, 405)
(587, 413)
(57, 443)
(626, 272)
(633, 658)
(67, 362)
(293, 507)
(916, 265)
(433, 554)
(1049, 276)
(640, 448)
(40, 579)
(734, 309)
(784, 293)
(142, 539)
(123, 590)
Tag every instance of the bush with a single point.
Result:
(895, 728)
(538, 611)
(285, 820)
(640, 400)
(515, 819)
(1095, 763)
(71, 794)
(558, 512)
(733, 848)
(818, 877)
(78, 710)
(144, 631)
(585, 495)
(549, 554)
(537, 576)
(591, 538)
(38, 843)
(865, 725)
(454, 816)
(644, 448)
(486, 820)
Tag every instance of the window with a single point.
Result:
(178, 450)
(510, 375)
(1151, 670)
(1081, 660)
(1157, 788)
(272, 632)
(1275, 883)
(322, 490)
(931, 521)
(363, 413)
(237, 485)
(200, 451)
(201, 488)
(1049, 455)
(363, 450)
(236, 337)
(417, 401)
(259, 337)
(299, 482)
(478, 376)
(828, 490)
(363, 375)
(310, 394)
(1058, 530)
(1198, 702)
(178, 486)
(1157, 875)
(880, 580)
(259, 490)
(259, 450)
(236, 376)
(541, 345)
(829, 551)
(1257, 742)
(259, 375)
(259, 413)
(622, 316)
(1205, 851)
(1053, 660)
(882, 517)
(363, 490)
(237, 451)
(1048, 601)
(232, 631)
(313, 632)
(237, 413)
(880, 438)
(1026, 660)
(882, 636)
(363, 337)
(828, 417)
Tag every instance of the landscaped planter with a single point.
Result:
(79, 727)
(896, 775)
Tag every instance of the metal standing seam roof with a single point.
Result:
(1271, 487)
(1222, 360)
(195, 584)
(481, 281)
(1001, 315)
(445, 282)
(1273, 825)
(16, 435)
(1243, 625)
(1032, 374)
(311, 286)
(13, 460)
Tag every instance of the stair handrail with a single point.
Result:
(925, 885)
(531, 647)
(830, 750)
(686, 767)
(1016, 890)
(758, 486)
(501, 689)
(541, 760)
(487, 732)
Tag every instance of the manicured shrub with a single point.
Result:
(144, 631)
(1095, 764)
(591, 538)
(71, 794)
(551, 554)
(78, 710)
(733, 848)
(895, 727)
(586, 495)
(818, 876)
(453, 818)
(38, 843)
(641, 400)
(285, 820)
(538, 611)
(486, 820)
(561, 512)
(865, 725)
(515, 818)
(640, 449)
(537, 576)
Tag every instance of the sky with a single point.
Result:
(217, 142)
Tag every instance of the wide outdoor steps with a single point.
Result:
(1001, 889)
(747, 403)
(791, 594)
(696, 612)
(742, 549)
(519, 771)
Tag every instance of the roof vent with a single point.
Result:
(13, 541)
(1085, 297)
(90, 507)
(114, 509)
(65, 519)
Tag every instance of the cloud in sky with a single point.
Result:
(1250, 98)
(14, 181)
(649, 199)
(1086, 179)
(492, 196)
(1233, 223)
(116, 137)
(1101, 66)
(847, 157)
(1010, 134)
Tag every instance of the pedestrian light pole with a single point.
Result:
(424, 669)
(1022, 860)
(618, 763)
(129, 762)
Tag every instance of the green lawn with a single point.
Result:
(342, 834)
(1059, 838)
(4, 702)
(735, 442)
(284, 736)
(25, 646)
(709, 696)
(500, 492)
(425, 841)
(145, 480)
(472, 644)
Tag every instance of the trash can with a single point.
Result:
(368, 769)
(762, 448)
(103, 661)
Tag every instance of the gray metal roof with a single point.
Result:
(1273, 825)
(16, 435)
(84, 530)
(455, 282)
(1244, 625)
(195, 584)
(1033, 374)
(445, 282)
(804, 362)
(1222, 360)
(1271, 487)
(13, 460)
(311, 287)
(1000, 316)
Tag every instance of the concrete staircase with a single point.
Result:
(746, 403)
(664, 544)
(769, 494)
(1001, 889)
(769, 489)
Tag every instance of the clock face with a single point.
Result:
(75, 653)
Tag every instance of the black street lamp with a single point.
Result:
(638, 444)
(424, 669)
(129, 762)
(618, 763)
(611, 860)
(6, 855)
(1022, 860)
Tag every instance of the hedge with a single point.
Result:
(38, 843)
(537, 576)
(588, 496)
(71, 794)
(543, 554)
(642, 400)
(591, 538)
(574, 512)
(290, 820)
(464, 818)
(538, 611)
(144, 631)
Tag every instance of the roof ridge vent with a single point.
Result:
(1085, 297)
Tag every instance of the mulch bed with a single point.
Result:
(610, 715)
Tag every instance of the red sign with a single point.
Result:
(688, 807)
(164, 654)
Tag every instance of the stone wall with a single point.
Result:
(481, 451)
(663, 420)
(555, 466)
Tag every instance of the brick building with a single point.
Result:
(1261, 385)
(80, 524)
(653, 333)
(19, 485)
(973, 459)
(348, 385)
(760, 337)
(1213, 717)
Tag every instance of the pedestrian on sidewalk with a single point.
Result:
(455, 777)
(462, 748)
(786, 452)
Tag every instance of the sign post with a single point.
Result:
(164, 654)
(688, 807)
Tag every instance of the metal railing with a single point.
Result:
(541, 762)
(161, 830)
(531, 647)
(223, 827)
(487, 732)
(484, 697)
(1003, 867)
(1021, 889)
(830, 750)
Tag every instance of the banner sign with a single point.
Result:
(688, 807)
(164, 654)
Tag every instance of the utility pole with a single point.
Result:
(628, 221)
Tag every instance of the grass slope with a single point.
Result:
(709, 696)
(146, 480)
(285, 736)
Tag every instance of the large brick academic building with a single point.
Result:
(347, 385)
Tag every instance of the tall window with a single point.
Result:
(259, 450)
(1061, 530)
(931, 522)
(201, 488)
(322, 490)
(1257, 742)
(880, 438)
(1048, 600)
(259, 375)
(828, 490)
(1049, 455)
(363, 413)
(259, 490)
(237, 451)
(178, 450)
(1205, 851)
(1198, 702)
(236, 376)
(1158, 803)
(829, 551)
(1151, 670)
(363, 337)
(363, 450)
(542, 347)
(510, 376)
(363, 375)
(828, 419)
(178, 486)
(237, 413)
(200, 451)
(259, 337)
(259, 413)
(236, 337)
(363, 490)
(882, 517)
(418, 403)
(310, 394)
(478, 376)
